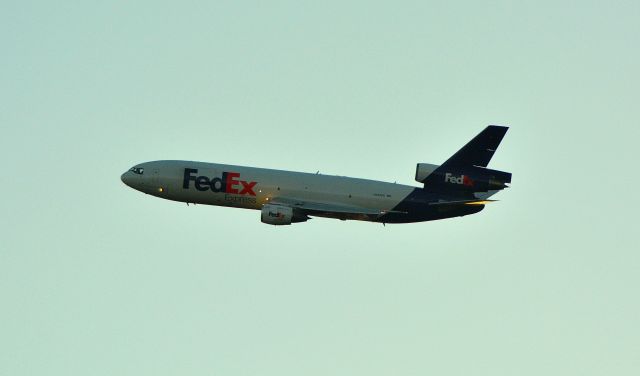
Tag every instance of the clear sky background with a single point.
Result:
(99, 279)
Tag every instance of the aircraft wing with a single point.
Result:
(312, 207)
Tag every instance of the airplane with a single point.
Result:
(460, 186)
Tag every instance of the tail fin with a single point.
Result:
(465, 172)
(480, 149)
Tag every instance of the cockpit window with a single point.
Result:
(137, 170)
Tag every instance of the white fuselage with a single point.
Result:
(251, 188)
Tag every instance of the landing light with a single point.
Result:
(160, 189)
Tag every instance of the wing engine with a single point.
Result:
(280, 215)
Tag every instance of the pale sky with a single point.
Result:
(99, 279)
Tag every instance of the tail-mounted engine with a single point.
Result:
(459, 178)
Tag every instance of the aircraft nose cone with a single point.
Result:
(127, 178)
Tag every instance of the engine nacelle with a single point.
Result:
(423, 170)
(276, 215)
(461, 178)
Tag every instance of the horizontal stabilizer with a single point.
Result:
(462, 202)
